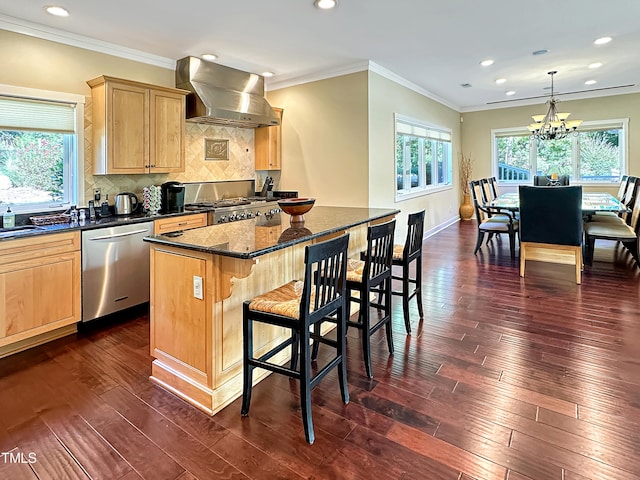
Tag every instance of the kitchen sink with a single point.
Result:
(17, 231)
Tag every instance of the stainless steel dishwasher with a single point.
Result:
(115, 269)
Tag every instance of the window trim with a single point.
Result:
(598, 124)
(76, 169)
(422, 189)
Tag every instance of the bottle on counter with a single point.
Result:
(8, 219)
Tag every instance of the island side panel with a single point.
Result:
(180, 337)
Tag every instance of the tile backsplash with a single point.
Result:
(240, 166)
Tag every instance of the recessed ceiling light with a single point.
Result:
(325, 4)
(267, 74)
(487, 62)
(590, 82)
(543, 51)
(595, 65)
(602, 40)
(56, 10)
(500, 81)
(210, 56)
(510, 93)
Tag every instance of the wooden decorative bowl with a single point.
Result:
(296, 207)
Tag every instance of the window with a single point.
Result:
(596, 155)
(423, 156)
(39, 153)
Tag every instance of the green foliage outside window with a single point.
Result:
(34, 161)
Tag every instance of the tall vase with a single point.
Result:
(466, 209)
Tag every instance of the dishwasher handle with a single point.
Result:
(117, 235)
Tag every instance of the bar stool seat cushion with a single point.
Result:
(354, 270)
(398, 252)
(284, 300)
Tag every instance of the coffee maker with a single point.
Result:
(172, 197)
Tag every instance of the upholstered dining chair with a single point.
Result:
(299, 306)
(616, 231)
(626, 194)
(491, 220)
(404, 255)
(545, 180)
(551, 226)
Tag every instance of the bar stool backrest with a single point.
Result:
(324, 286)
(415, 231)
(379, 254)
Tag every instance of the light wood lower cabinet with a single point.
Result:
(39, 288)
(183, 222)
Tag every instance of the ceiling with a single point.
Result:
(432, 46)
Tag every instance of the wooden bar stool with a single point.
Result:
(404, 256)
(371, 275)
(299, 305)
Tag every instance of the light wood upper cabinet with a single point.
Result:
(268, 146)
(137, 128)
(39, 285)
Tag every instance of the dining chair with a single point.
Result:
(364, 278)
(626, 194)
(622, 232)
(403, 256)
(551, 226)
(299, 306)
(546, 181)
(492, 220)
(488, 192)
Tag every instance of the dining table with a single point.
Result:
(592, 203)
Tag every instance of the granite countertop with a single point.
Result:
(259, 236)
(104, 222)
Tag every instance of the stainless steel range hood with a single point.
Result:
(223, 96)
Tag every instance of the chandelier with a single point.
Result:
(553, 125)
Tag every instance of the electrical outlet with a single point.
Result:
(197, 287)
(97, 194)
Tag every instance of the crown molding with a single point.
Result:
(317, 76)
(388, 74)
(37, 30)
(365, 65)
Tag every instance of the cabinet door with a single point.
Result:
(268, 146)
(127, 128)
(38, 292)
(166, 133)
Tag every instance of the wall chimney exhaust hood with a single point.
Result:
(223, 95)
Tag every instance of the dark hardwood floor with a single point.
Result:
(506, 378)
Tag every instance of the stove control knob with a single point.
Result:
(232, 217)
(222, 219)
(250, 215)
(258, 214)
(272, 211)
(241, 216)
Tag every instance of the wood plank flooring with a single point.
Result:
(505, 378)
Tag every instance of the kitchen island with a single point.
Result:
(201, 277)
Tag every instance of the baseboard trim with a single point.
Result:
(438, 228)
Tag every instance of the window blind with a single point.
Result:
(42, 116)
(422, 131)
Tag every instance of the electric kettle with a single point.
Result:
(125, 203)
